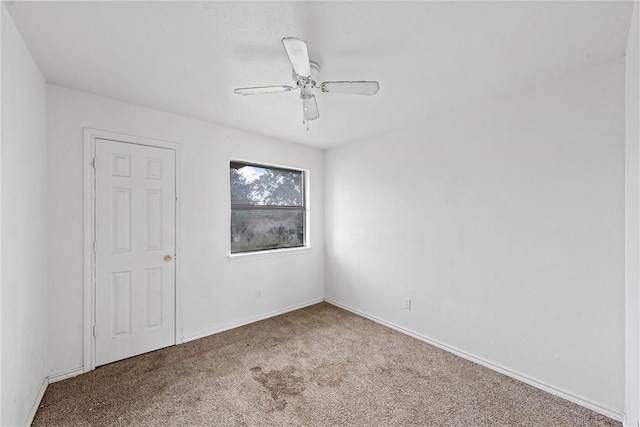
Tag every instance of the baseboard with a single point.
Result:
(36, 403)
(493, 366)
(252, 320)
(630, 423)
(66, 374)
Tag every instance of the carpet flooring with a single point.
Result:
(319, 366)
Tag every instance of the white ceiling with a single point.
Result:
(429, 57)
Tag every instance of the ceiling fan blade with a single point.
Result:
(261, 89)
(310, 108)
(352, 88)
(298, 55)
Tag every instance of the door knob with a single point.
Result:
(167, 257)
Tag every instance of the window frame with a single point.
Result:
(304, 209)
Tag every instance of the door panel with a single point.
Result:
(135, 231)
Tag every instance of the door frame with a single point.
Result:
(90, 137)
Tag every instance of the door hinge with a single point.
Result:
(94, 246)
(94, 331)
(93, 162)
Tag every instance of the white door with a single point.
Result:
(135, 249)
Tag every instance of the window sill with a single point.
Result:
(274, 253)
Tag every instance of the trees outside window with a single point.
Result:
(267, 207)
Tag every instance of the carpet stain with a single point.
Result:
(281, 384)
(329, 375)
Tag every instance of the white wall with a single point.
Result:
(504, 224)
(632, 221)
(24, 237)
(216, 293)
(2, 19)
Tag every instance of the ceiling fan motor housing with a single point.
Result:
(307, 83)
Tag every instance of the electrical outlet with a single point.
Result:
(407, 303)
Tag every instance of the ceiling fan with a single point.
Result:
(305, 74)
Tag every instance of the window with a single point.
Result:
(267, 208)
